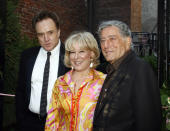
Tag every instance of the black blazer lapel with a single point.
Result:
(29, 68)
(62, 69)
(110, 89)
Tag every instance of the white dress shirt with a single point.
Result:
(37, 77)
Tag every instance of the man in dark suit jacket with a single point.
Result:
(32, 64)
(130, 99)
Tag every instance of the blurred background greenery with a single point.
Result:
(14, 45)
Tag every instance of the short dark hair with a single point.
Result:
(44, 14)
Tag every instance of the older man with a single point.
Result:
(130, 99)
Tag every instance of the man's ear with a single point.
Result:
(128, 42)
(58, 32)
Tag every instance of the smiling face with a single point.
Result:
(47, 33)
(113, 44)
(80, 59)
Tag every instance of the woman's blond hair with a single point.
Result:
(85, 40)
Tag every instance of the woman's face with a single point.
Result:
(80, 58)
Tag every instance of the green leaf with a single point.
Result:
(164, 98)
(168, 125)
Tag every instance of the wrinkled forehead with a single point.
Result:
(45, 25)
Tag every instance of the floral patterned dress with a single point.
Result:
(74, 112)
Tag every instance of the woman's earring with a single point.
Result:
(91, 64)
(72, 67)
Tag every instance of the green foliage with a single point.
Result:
(165, 100)
(152, 60)
(165, 95)
(15, 44)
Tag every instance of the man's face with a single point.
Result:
(47, 33)
(113, 45)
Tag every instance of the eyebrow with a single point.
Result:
(108, 36)
(45, 32)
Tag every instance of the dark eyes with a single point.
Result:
(42, 34)
(112, 38)
(71, 52)
(109, 39)
(102, 41)
(82, 51)
(50, 32)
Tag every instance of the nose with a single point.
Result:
(46, 37)
(76, 55)
(105, 44)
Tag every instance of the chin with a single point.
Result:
(48, 49)
(110, 60)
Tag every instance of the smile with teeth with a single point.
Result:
(107, 52)
(77, 63)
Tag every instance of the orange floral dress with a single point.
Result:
(74, 112)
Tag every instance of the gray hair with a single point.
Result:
(123, 28)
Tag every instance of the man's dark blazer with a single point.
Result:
(23, 90)
(130, 99)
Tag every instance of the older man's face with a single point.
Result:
(113, 44)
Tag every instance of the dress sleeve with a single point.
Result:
(52, 120)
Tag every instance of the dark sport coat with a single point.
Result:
(23, 90)
(130, 99)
